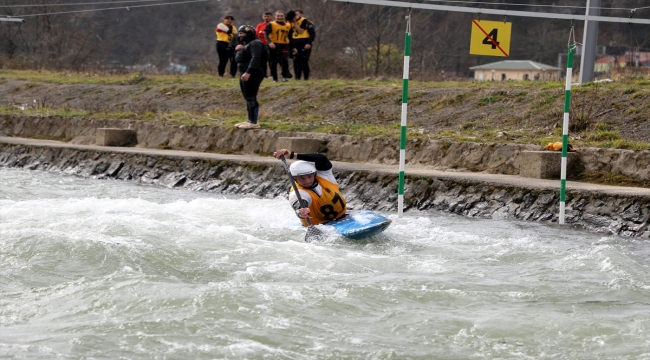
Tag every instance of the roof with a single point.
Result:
(515, 65)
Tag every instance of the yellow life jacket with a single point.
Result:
(304, 34)
(224, 33)
(279, 33)
(327, 207)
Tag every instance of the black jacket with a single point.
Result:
(252, 57)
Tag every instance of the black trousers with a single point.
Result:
(249, 89)
(301, 59)
(225, 55)
(279, 55)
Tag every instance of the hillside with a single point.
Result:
(149, 34)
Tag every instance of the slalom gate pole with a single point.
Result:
(565, 130)
(405, 98)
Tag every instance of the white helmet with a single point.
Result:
(301, 167)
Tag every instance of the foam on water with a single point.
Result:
(93, 268)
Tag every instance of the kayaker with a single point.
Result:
(319, 190)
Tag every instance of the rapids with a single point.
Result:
(109, 269)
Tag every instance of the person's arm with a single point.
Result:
(293, 200)
(221, 27)
(321, 161)
(267, 31)
(290, 35)
(260, 30)
(233, 43)
(311, 30)
(299, 28)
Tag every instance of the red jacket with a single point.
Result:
(259, 31)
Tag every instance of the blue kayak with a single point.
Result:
(360, 224)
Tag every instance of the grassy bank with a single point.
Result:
(607, 115)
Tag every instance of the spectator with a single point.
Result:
(260, 30)
(250, 57)
(225, 33)
(303, 34)
(277, 36)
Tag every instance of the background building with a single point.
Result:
(515, 70)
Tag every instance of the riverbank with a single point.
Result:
(599, 165)
(603, 115)
(608, 209)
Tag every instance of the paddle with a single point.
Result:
(312, 232)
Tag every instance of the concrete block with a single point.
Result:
(115, 137)
(299, 145)
(544, 164)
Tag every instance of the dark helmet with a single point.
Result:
(249, 31)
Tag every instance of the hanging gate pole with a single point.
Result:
(405, 98)
(565, 124)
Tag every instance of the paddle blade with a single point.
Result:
(314, 234)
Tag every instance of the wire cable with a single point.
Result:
(443, 1)
(537, 5)
(77, 4)
(114, 8)
(508, 4)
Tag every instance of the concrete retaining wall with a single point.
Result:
(623, 215)
(489, 158)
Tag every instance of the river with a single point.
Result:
(118, 270)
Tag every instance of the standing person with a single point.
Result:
(260, 30)
(319, 190)
(303, 34)
(250, 57)
(277, 36)
(225, 33)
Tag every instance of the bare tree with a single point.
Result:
(353, 40)
(46, 42)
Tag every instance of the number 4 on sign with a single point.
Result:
(490, 38)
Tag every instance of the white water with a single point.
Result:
(108, 269)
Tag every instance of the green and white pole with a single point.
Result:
(405, 98)
(565, 131)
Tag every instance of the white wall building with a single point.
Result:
(515, 70)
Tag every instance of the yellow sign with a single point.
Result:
(490, 38)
